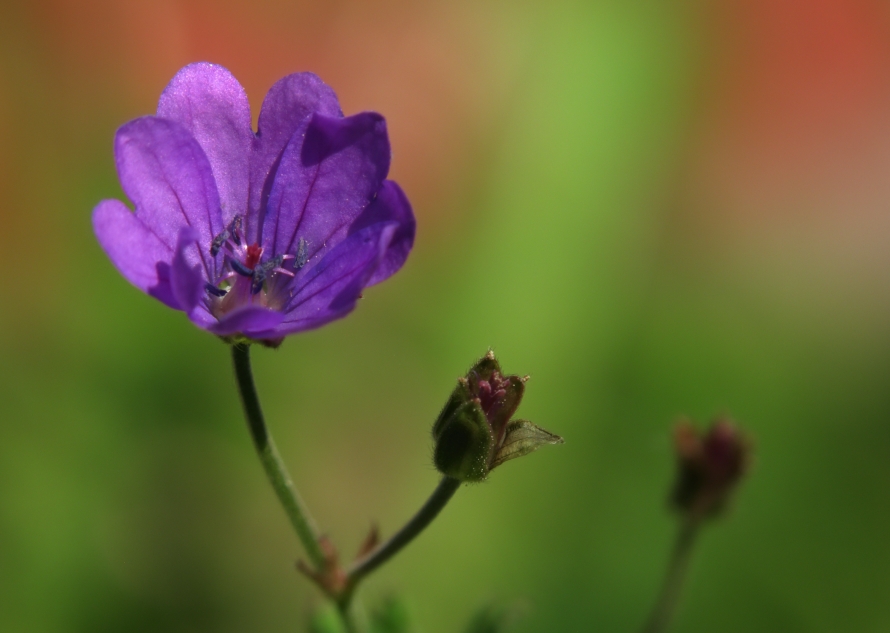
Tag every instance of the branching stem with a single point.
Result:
(299, 515)
(374, 559)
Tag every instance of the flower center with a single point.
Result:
(242, 279)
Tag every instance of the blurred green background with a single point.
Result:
(654, 208)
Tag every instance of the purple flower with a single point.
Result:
(260, 235)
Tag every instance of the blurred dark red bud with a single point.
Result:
(709, 466)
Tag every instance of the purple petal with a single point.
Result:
(330, 289)
(390, 205)
(327, 177)
(165, 173)
(186, 277)
(210, 103)
(201, 317)
(249, 321)
(286, 107)
(136, 252)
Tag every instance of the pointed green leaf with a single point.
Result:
(523, 437)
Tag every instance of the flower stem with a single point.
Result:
(374, 559)
(272, 464)
(663, 611)
(354, 617)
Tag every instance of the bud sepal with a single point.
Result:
(523, 437)
(464, 444)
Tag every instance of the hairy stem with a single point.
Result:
(272, 464)
(374, 559)
(664, 608)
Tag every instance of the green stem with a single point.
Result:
(371, 561)
(663, 611)
(275, 469)
(354, 617)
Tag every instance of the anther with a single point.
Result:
(215, 291)
(235, 229)
(259, 277)
(240, 268)
(260, 273)
(217, 243)
(302, 254)
(273, 263)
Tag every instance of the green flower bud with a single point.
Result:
(473, 434)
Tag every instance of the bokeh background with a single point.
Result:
(654, 208)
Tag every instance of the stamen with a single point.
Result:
(260, 273)
(259, 276)
(272, 263)
(218, 242)
(235, 229)
(215, 291)
(240, 268)
(302, 254)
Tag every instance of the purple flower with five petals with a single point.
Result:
(255, 236)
